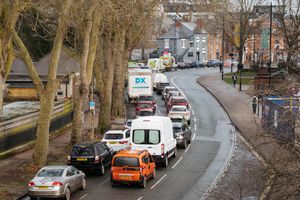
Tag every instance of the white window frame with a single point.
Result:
(183, 43)
(167, 43)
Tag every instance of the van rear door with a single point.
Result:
(147, 139)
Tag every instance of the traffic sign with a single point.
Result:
(92, 105)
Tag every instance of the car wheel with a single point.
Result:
(102, 169)
(68, 194)
(154, 173)
(83, 186)
(144, 182)
(33, 198)
(166, 161)
(175, 153)
(185, 144)
(113, 184)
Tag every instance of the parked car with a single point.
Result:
(176, 101)
(212, 63)
(56, 182)
(91, 156)
(127, 124)
(142, 105)
(196, 64)
(144, 112)
(166, 90)
(117, 139)
(129, 167)
(180, 110)
(183, 134)
(155, 134)
(160, 87)
(181, 65)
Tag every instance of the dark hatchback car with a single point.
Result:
(183, 134)
(160, 87)
(196, 64)
(91, 156)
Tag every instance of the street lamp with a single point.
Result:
(240, 65)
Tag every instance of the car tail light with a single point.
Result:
(31, 184)
(96, 159)
(69, 160)
(162, 149)
(57, 183)
(123, 142)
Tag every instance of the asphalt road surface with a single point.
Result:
(195, 170)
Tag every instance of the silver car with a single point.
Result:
(56, 182)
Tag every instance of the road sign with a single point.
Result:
(92, 105)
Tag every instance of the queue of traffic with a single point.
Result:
(133, 153)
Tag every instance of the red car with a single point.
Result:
(145, 105)
(176, 101)
(146, 99)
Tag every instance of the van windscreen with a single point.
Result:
(146, 136)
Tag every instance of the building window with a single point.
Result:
(203, 39)
(191, 44)
(167, 43)
(198, 44)
(183, 43)
(190, 54)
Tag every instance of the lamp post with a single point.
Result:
(175, 20)
(223, 46)
(270, 43)
(241, 48)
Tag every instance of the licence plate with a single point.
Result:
(126, 177)
(43, 187)
(112, 143)
(81, 159)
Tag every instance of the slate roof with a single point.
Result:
(182, 32)
(68, 62)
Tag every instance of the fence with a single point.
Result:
(22, 130)
(278, 117)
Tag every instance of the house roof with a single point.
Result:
(68, 62)
(184, 31)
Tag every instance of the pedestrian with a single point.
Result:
(254, 104)
(221, 67)
(234, 78)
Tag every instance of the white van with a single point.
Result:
(159, 78)
(155, 134)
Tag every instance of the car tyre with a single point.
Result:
(102, 169)
(185, 144)
(33, 198)
(68, 194)
(83, 186)
(114, 185)
(175, 153)
(144, 182)
(166, 161)
(154, 173)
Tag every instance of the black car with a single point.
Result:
(212, 63)
(183, 134)
(91, 156)
(160, 87)
(196, 64)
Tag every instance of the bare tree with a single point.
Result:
(46, 93)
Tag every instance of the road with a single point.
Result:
(195, 170)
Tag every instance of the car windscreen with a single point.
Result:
(145, 98)
(113, 136)
(83, 151)
(126, 161)
(177, 109)
(146, 136)
(164, 84)
(145, 113)
(144, 105)
(176, 119)
(179, 101)
(177, 129)
(50, 173)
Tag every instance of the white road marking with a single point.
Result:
(193, 138)
(193, 112)
(195, 120)
(153, 186)
(140, 198)
(83, 196)
(158, 111)
(177, 163)
(187, 148)
(103, 182)
(195, 127)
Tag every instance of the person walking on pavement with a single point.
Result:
(234, 78)
(254, 104)
(221, 67)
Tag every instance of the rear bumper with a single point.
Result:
(47, 193)
(158, 158)
(85, 166)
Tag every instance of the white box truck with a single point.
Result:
(140, 82)
(155, 134)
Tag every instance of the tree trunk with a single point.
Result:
(43, 125)
(2, 87)
(118, 101)
(105, 77)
